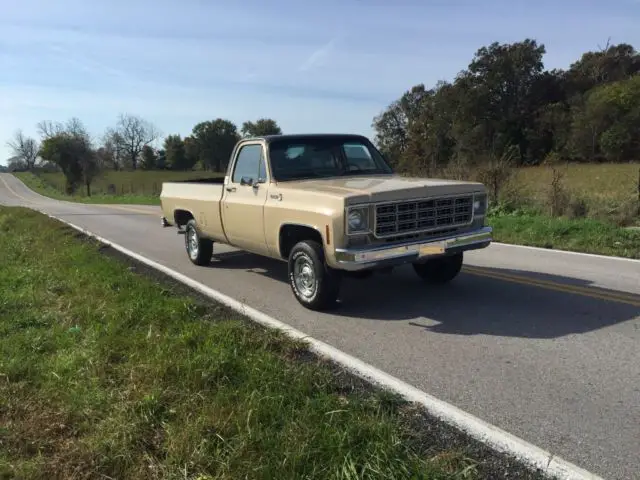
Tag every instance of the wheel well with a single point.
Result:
(292, 234)
(182, 217)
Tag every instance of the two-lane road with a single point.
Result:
(543, 344)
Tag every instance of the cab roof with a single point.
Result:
(310, 136)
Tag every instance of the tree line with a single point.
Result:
(506, 108)
(503, 109)
(129, 146)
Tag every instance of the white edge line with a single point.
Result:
(555, 250)
(482, 431)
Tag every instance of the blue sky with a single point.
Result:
(314, 66)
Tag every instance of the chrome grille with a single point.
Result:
(422, 215)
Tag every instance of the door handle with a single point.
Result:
(231, 189)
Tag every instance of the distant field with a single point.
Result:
(139, 182)
(603, 185)
(139, 187)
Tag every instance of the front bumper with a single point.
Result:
(379, 257)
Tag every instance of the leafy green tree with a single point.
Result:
(176, 155)
(263, 126)
(392, 126)
(214, 141)
(611, 64)
(149, 158)
(608, 122)
(161, 161)
(504, 100)
(69, 146)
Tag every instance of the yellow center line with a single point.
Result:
(592, 292)
(125, 208)
(11, 190)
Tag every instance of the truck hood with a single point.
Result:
(381, 188)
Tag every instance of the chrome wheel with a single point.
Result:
(304, 276)
(314, 284)
(192, 243)
(199, 250)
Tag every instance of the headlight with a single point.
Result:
(479, 203)
(358, 220)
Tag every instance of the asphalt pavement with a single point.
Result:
(543, 344)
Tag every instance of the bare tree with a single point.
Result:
(48, 129)
(25, 149)
(133, 134)
(114, 151)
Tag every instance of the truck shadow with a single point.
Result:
(475, 303)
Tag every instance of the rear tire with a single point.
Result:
(199, 250)
(439, 270)
(315, 285)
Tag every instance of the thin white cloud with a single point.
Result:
(85, 63)
(318, 56)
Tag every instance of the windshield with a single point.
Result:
(303, 158)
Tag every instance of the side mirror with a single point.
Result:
(246, 181)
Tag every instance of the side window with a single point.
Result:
(250, 164)
(358, 156)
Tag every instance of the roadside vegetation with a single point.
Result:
(592, 220)
(558, 149)
(109, 372)
(126, 187)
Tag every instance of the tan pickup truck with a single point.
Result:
(330, 206)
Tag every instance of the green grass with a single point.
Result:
(130, 187)
(578, 235)
(38, 184)
(105, 373)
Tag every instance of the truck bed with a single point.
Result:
(199, 199)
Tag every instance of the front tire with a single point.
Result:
(199, 250)
(315, 285)
(439, 270)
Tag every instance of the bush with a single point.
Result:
(496, 173)
(578, 208)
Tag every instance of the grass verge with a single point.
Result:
(577, 235)
(40, 185)
(108, 372)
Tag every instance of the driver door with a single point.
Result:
(244, 198)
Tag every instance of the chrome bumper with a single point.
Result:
(360, 259)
